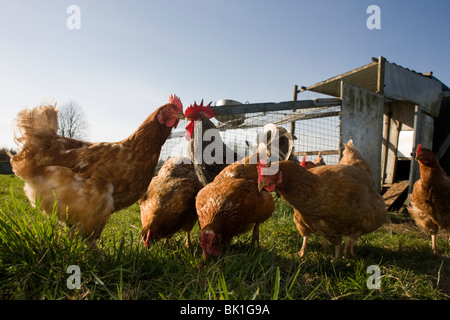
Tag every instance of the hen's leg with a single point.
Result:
(336, 241)
(255, 234)
(166, 242)
(352, 248)
(93, 246)
(337, 252)
(188, 239)
(349, 246)
(302, 251)
(433, 243)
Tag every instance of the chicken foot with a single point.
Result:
(337, 252)
(349, 246)
(302, 251)
(336, 241)
(255, 234)
(166, 242)
(188, 239)
(433, 243)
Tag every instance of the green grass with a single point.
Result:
(36, 250)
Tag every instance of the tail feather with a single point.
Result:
(31, 122)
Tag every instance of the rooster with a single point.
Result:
(335, 200)
(200, 146)
(90, 181)
(206, 170)
(430, 199)
(231, 205)
(169, 204)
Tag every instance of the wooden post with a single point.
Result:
(295, 99)
(380, 79)
(384, 151)
(414, 168)
(391, 159)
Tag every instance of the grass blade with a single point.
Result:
(276, 289)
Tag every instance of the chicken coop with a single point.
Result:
(314, 125)
(388, 110)
(385, 108)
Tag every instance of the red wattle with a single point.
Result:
(189, 130)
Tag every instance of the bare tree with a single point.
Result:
(72, 121)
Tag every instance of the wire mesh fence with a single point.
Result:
(314, 129)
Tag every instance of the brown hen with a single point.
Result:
(89, 180)
(430, 199)
(169, 205)
(231, 205)
(334, 200)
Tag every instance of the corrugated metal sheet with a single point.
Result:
(403, 84)
(397, 83)
(363, 77)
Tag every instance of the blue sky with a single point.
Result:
(129, 56)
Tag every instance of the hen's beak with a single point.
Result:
(181, 116)
(261, 185)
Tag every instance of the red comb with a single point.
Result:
(419, 148)
(303, 163)
(195, 110)
(173, 99)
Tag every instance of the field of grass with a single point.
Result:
(35, 252)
